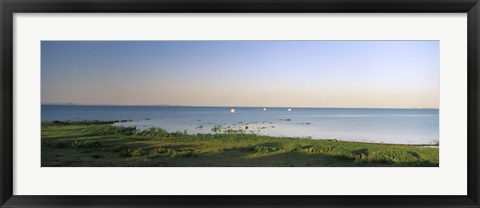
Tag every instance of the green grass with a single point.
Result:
(99, 144)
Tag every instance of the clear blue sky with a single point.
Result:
(383, 74)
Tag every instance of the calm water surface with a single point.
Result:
(402, 126)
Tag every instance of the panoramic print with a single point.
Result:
(240, 103)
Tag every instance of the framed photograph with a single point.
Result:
(270, 103)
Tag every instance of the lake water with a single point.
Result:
(401, 126)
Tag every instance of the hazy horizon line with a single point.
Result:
(229, 106)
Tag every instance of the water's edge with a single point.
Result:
(390, 126)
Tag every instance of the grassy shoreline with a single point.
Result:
(99, 144)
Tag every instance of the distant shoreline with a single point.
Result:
(201, 106)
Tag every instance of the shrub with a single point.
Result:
(169, 152)
(157, 152)
(391, 156)
(86, 145)
(124, 152)
(216, 129)
(185, 153)
(318, 149)
(361, 154)
(267, 149)
(313, 149)
(294, 147)
(121, 130)
(342, 153)
(154, 132)
(178, 133)
(136, 152)
(128, 152)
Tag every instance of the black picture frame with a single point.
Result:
(9, 7)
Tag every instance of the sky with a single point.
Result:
(337, 74)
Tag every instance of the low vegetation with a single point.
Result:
(99, 143)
